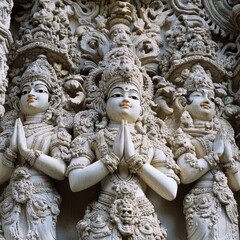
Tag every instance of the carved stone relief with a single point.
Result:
(117, 101)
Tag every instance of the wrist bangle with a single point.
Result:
(135, 163)
(9, 158)
(31, 156)
(111, 162)
(231, 167)
(212, 159)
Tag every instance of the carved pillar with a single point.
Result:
(5, 42)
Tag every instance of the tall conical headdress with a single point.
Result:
(40, 70)
(197, 78)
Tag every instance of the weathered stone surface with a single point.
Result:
(63, 66)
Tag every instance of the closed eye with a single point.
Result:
(41, 91)
(117, 95)
(25, 92)
(134, 97)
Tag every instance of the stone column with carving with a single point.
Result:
(5, 42)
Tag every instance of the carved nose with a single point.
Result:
(31, 93)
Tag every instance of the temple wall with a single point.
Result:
(75, 37)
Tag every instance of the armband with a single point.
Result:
(9, 158)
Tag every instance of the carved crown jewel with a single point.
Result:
(196, 79)
(189, 45)
(40, 70)
(49, 32)
(121, 65)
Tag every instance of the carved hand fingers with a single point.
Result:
(118, 144)
(21, 139)
(218, 144)
(228, 153)
(13, 141)
(129, 149)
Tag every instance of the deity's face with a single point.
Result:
(123, 103)
(202, 106)
(34, 98)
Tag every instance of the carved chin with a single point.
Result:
(206, 115)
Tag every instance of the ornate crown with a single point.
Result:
(48, 33)
(197, 78)
(190, 43)
(121, 65)
(40, 70)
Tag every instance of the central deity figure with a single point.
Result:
(126, 151)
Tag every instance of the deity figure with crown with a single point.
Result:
(32, 155)
(207, 154)
(121, 144)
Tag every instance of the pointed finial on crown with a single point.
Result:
(197, 78)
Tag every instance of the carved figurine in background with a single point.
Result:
(126, 152)
(5, 12)
(30, 205)
(208, 156)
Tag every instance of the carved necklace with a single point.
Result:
(206, 142)
(111, 134)
(32, 128)
(205, 133)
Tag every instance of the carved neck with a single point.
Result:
(36, 118)
(201, 127)
(202, 124)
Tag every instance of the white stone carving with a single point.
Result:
(161, 42)
(207, 155)
(5, 41)
(34, 154)
(126, 151)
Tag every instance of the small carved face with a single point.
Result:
(201, 105)
(124, 103)
(22, 191)
(34, 98)
(126, 213)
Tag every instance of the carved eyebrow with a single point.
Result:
(40, 84)
(134, 91)
(28, 85)
(117, 88)
(121, 88)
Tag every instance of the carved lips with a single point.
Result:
(31, 99)
(206, 105)
(125, 105)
